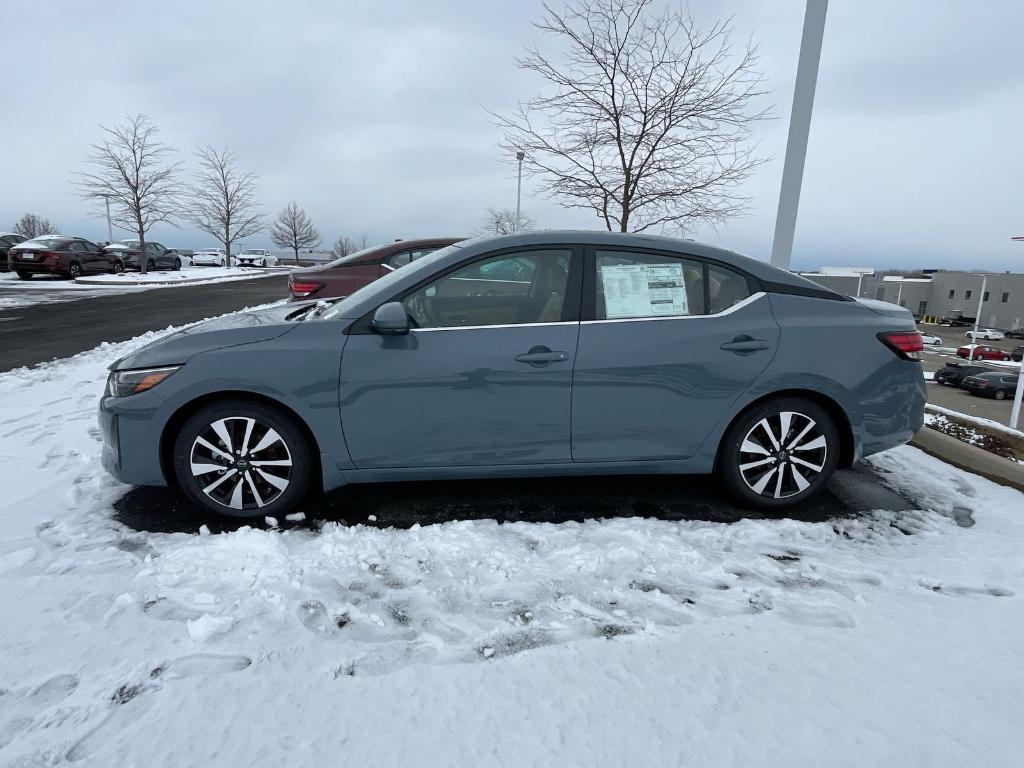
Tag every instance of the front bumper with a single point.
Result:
(131, 429)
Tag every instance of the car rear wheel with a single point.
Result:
(150, 266)
(74, 270)
(177, 265)
(779, 453)
(24, 276)
(118, 267)
(242, 459)
(999, 394)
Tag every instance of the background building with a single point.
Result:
(936, 293)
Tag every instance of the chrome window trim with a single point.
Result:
(734, 308)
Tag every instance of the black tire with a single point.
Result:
(753, 489)
(151, 266)
(219, 499)
(118, 267)
(999, 394)
(24, 275)
(74, 270)
(177, 265)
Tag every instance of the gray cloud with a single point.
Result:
(373, 117)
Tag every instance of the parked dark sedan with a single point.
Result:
(953, 373)
(997, 384)
(157, 255)
(348, 274)
(1016, 333)
(62, 256)
(7, 239)
(538, 354)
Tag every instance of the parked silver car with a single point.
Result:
(552, 353)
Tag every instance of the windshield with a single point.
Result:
(345, 307)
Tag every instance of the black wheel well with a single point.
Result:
(178, 418)
(842, 421)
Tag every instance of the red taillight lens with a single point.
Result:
(906, 344)
(300, 289)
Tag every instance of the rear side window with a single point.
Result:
(635, 285)
(406, 257)
(725, 289)
(76, 246)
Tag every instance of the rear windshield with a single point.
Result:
(358, 255)
(45, 242)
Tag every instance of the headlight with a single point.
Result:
(124, 383)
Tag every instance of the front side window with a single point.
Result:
(509, 289)
(632, 285)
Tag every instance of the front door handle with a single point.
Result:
(539, 356)
(744, 344)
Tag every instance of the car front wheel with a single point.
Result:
(779, 453)
(242, 459)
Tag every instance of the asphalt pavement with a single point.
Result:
(45, 331)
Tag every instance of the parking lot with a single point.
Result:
(954, 398)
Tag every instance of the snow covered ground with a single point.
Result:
(890, 639)
(192, 275)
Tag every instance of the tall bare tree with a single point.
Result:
(645, 117)
(224, 202)
(30, 225)
(131, 169)
(502, 221)
(294, 229)
(345, 246)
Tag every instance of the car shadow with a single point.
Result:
(549, 500)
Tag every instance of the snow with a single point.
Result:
(886, 638)
(193, 275)
(994, 425)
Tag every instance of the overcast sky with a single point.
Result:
(372, 116)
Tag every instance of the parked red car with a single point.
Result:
(61, 255)
(983, 352)
(346, 275)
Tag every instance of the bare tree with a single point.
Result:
(294, 229)
(30, 225)
(502, 221)
(130, 168)
(344, 246)
(224, 202)
(646, 118)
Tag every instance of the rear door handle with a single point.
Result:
(743, 344)
(539, 356)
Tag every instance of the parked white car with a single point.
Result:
(210, 257)
(256, 257)
(929, 339)
(988, 334)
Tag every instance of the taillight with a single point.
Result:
(906, 344)
(303, 288)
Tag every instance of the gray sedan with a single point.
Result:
(552, 353)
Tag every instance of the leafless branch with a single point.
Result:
(30, 225)
(646, 117)
(224, 200)
(502, 221)
(294, 229)
(130, 168)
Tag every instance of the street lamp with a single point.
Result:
(519, 188)
(1019, 395)
(977, 317)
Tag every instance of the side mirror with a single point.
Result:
(391, 319)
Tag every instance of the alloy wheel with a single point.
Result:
(241, 463)
(782, 454)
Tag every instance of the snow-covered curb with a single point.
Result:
(889, 638)
(989, 423)
(196, 275)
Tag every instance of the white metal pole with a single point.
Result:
(799, 130)
(519, 188)
(899, 294)
(860, 277)
(110, 230)
(977, 319)
(1015, 411)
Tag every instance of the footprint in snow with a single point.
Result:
(29, 703)
(200, 664)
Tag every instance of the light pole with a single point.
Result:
(899, 293)
(519, 188)
(1019, 394)
(110, 229)
(799, 129)
(977, 318)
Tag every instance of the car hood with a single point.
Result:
(245, 327)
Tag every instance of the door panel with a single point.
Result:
(459, 397)
(647, 389)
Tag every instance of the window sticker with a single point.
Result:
(643, 290)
